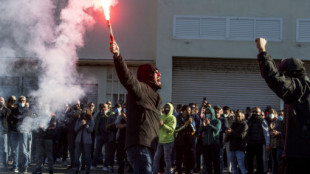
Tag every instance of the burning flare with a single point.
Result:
(106, 4)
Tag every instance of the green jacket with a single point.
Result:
(166, 132)
(211, 132)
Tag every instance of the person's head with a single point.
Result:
(256, 111)
(109, 103)
(77, 105)
(105, 107)
(22, 101)
(118, 109)
(91, 106)
(11, 100)
(150, 75)
(292, 67)
(2, 102)
(239, 116)
(209, 112)
(168, 108)
(186, 111)
(226, 110)
(218, 111)
(86, 114)
(273, 114)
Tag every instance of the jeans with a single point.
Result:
(4, 149)
(98, 150)
(141, 159)
(237, 159)
(19, 141)
(165, 148)
(84, 149)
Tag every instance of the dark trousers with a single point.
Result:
(120, 155)
(186, 154)
(198, 155)
(294, 165)
(44, 149)
(110, 153)
(255, 150)
(98, 150)
(71, 143)
(211, 157)
(82, 149)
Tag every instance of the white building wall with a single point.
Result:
(167, 47)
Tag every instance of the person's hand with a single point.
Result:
(206, 122)
(114, 48)
(228, 131)
(190, 120)
(261, 44)
(186, 123)
(274, 132)
(83, 122)
(267, 148)
(161, 122)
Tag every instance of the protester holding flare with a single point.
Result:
(143, 111)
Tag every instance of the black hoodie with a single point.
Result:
(295, 91)
(142, 102)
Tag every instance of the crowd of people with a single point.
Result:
(155, 138)
(192, 139)
(34, 134)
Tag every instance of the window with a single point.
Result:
(227, 28)
(115, 90)
(303, 30)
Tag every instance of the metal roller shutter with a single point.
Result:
(231, 82)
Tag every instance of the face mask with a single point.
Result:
(280, 118)
(21, 104)
(225, 115)
(271, 116)
(208, 116)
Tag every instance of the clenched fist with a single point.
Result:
(261, 44)
(114, 48)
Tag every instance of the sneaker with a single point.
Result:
(105, 169)
(92, 168)
(15, 170)
(24, 170)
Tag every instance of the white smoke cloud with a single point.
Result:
(29, 29)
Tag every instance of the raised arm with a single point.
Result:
(126, 77)
(283, 86)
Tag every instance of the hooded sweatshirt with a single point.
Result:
(166, 131)
(295, 92)
(211, 132)
(143, 104)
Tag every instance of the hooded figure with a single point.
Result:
(293, 86)
(166, 131)
(143, 111)
(211, 132)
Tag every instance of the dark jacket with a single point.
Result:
(295, 91)
(143, 104)
(237, 136)
(210, 133)
(258, 131)
(16, 118)
(83, 132)
(50, 131)
(4, 115)
(71, 117)
(182, 132)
